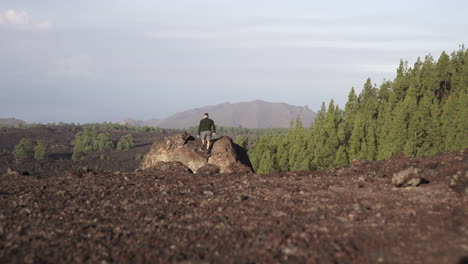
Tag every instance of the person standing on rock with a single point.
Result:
(206, 130)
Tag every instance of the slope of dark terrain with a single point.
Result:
(346, 215)
(59, 151)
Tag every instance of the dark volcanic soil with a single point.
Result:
(346, 215)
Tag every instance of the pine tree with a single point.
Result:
(443, 70)
(103, 142)
(266, 163)
(332, 142)
(40, 150)
(400, 84)
(461, 137)
(384, 121)
(429, 80)
(341, 157)
(256, 154)
(449, 125)
(90, 140)
(282, 144)
(125, 142)
(24, 149)
(398, 132)
(297, 156)
(430, 84)
(423, 111)
(417, 124)
(363, 141)
(316, 139)
(345, 126)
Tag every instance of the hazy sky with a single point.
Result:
(89, 60)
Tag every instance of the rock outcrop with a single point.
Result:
(183, 148)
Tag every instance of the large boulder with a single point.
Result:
(226, 155)
(183, 147)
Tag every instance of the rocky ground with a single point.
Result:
(351, 214)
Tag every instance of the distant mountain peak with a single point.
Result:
(253, 114)
(11, 122)
(134, 122)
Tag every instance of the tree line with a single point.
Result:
(103, 126)
(245, 137)
(422, 112)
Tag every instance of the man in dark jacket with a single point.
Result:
(206, 129)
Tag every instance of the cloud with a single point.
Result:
(76, 66)
(378, 68)
(304, 34)
(21, 20)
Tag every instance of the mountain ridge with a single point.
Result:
(11, 122)
(253, 114)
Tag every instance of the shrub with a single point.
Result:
(90, 140)
(139, 156)
(125, 142)
(40, 150)
(103, 142)
(24, 149)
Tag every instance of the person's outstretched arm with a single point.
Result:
(199, 127)
(214, 128)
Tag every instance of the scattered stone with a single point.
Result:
(85, 169)
(175, 166)
(25, 173)
(208, 193)
(156, 216)
(243, 197)
(380, 174)
(459, 182)
(208, 170)
(11, 172)
(407, 178)
(360, 182)
(291, 251)
(340, 171)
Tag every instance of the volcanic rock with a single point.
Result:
(208, 170)
(407, 178)
(226, 157)
(183, 147)
(459, 182)
(172, 165)
(11, 172)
